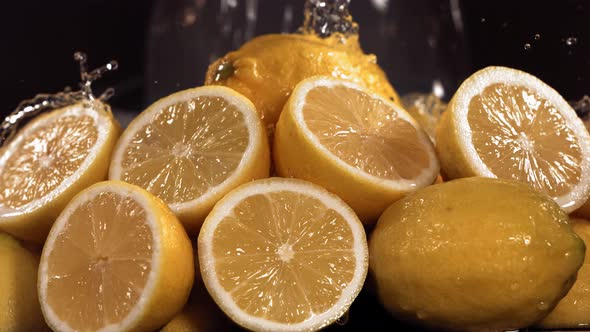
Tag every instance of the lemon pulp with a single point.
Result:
(282, 245)
(189, 147)
(364, 132)
(96, 277)
(45, 158)
(521, 135)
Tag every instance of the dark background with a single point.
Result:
(165, 45)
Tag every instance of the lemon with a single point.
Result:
(573, 311)
(49, 161)
(474, 254)
(191, 148)
(283, 255)
(505, 123)
(267, 68)
(19, 306)
(116, 259)
(363, 148)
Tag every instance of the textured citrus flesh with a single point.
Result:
(285, 239)
(186, 149)
(365, 133)
(96, 278)
(520, 135)
(45, 158)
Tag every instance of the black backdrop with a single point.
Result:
(165, 45)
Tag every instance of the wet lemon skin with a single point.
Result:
(267, 68)
(573, 311)
(19, 306)
(474, 254)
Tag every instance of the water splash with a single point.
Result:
(328, 17)
(582, 107)
(87, 78)
(44, 102)
(571, 41)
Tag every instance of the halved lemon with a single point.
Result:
(360, 146)
(192, 147)
(49, 161)
(283, 255)
(116, 259)
(508, 124)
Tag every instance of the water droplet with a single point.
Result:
(537, 36)
(527, 46)
(438, 89)
(342, 320)
(483, 20)
(571, 41)
(542, 306)
(421, 315)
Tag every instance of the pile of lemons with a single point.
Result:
(269, 195)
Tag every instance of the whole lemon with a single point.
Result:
(267, 68)
(19, 306)
(474, 254)
(573, 311)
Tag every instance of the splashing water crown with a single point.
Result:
(43, 102)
